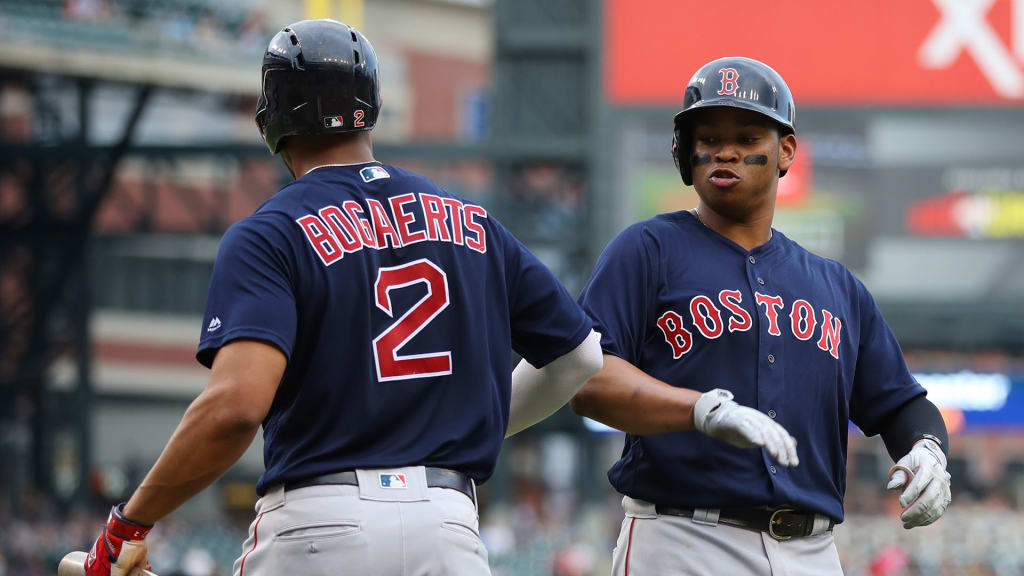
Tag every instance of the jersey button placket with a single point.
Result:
(769, 378)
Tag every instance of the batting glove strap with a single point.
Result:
(933, 448)
(121, 542)
(125, 528)
(707, 405)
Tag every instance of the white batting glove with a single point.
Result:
(926, 495)
(718, 416)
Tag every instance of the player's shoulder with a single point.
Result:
(668, 227)
(416, 182)
(265, 229)
(829, 267)
(272, 222)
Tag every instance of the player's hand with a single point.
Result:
(926, 496)
(718, 416)
(120, 547)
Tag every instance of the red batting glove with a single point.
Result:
(121, 547)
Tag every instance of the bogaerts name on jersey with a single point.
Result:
(406, 219)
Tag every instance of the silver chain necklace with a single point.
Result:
(696, 215)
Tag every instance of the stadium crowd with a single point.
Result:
(543, 532)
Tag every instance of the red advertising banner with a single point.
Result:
(831, 52)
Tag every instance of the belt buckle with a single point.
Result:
(771, 524)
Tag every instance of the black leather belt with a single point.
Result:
(780, 524)
(436, 478)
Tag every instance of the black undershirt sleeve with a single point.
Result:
(916, 419)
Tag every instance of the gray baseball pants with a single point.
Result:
(409, 530)
(653, 545)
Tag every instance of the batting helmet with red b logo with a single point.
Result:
(736, 82)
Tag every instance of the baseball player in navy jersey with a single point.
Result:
(363, 317)
(735, 361)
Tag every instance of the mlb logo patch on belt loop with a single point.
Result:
(394, 481)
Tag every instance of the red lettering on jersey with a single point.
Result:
(436, 219)
(353, 209)
(740, 320)
(382, 226)
(456, 218)
(771, 304)
(480, 242)
(730, 82)
(391, 366)
(321, 239)
(830, 333)
(343, 228)
(803, 315)
(403, 219)
(679, 338)
(708, 321)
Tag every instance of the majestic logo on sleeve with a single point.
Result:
(393, 223)
(711, 320)
(730, 82)
(214, 325)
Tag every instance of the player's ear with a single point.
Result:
(787, 151)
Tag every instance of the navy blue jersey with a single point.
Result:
(789, 333)
(396, 304)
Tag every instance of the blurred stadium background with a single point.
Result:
(127, 146)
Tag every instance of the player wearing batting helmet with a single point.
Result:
(363, 316)
(735, 360)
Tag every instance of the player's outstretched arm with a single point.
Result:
(538, 392)
(625, 397)
(215, 431)
(217, 428)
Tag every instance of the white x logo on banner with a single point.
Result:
(964, 27)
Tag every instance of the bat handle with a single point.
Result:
(73, 564)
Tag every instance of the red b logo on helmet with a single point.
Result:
(729, 85)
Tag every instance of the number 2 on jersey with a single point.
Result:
(391, 366)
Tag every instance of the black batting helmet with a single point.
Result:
(734, 82)
(319, 77)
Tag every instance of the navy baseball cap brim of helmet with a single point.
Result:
(682, 118)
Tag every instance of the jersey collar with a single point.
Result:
(340, 165)
(769, 248)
